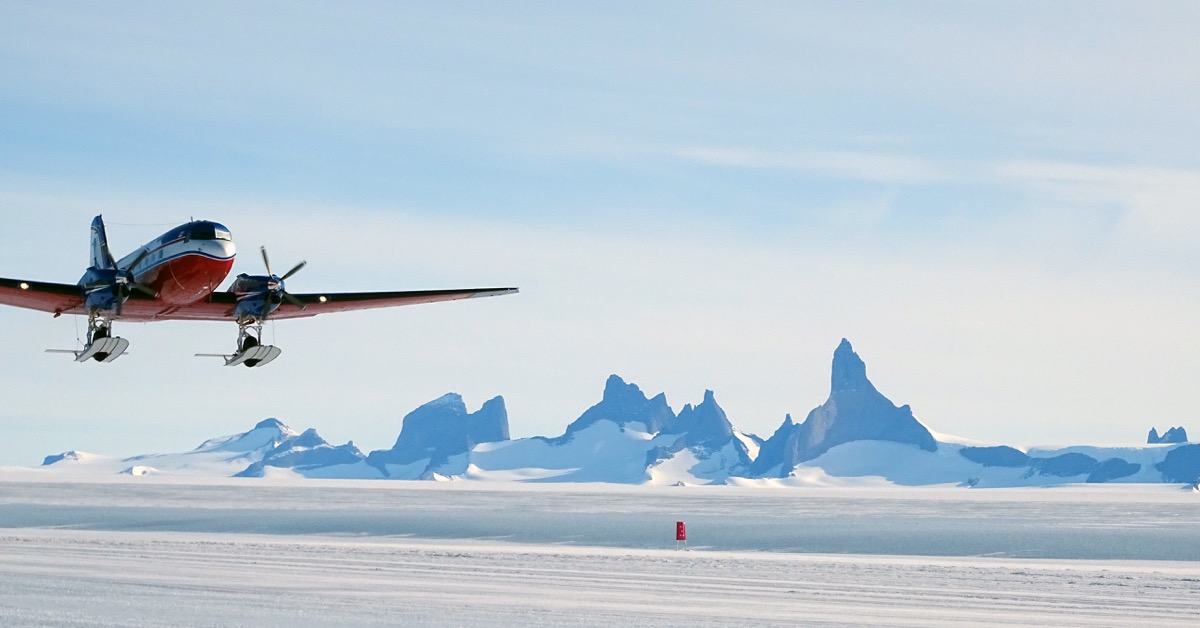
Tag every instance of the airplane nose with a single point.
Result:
(220, 249)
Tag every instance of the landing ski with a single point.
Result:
(257, 355)
(102, 350)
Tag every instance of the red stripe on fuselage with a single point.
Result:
(188, 278)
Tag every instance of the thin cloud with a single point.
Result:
(1158, 203)
(874, 167)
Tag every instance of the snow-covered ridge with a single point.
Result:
(857, 436)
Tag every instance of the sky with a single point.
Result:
(997, 203)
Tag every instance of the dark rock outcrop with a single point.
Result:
(443, 428)
(999, 456)
(705, 424)
(1063, 466)
(66, 455)
(624, 403)
(1182, 464)
(705, 429)
(612, 433)
(1113, 469)
(1172, 436)
(773, 450)
(266, 434)
(304, 452)
(854, 411)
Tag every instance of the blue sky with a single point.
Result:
(996, 202)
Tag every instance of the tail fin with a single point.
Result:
(101, 257)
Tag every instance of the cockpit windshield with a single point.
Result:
(208, 231)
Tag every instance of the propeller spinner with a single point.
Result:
(275, 294)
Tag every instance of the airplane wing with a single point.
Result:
(68, 299)
(59, 298)
(323, 303)
(219, 306)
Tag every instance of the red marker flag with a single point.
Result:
(680, 531)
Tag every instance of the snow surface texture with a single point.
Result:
(857, 436)
(165, 551)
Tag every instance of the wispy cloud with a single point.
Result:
(877, 167)
(1159, 203)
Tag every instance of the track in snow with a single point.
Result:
(87, 578)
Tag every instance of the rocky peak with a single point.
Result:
(705, 424)
(624, 403)
(305, 451)
(489, 424)
(854, 411)
(616, 391)
(443, 428)
(308, 439)
(849, 371)
(265, 435)
(772, 451)
(1173, 435)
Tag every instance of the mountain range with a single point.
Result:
(857, 435)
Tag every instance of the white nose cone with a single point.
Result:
(217, 249)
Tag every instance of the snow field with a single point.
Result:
(155, 551)
(87, 578)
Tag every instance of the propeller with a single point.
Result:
(122, 283)
(275, 292)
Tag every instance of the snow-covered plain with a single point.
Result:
(131, 551)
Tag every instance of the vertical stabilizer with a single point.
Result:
(101, 258)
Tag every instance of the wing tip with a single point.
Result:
(496, 292)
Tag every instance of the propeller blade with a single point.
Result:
(136, 260)
(108, 255)
(294, 301)
(144, 289)
(266, 260)
(295, 269)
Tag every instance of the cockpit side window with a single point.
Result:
(220, 233)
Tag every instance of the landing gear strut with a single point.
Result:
(101, 345)
(248, 341)
(245, 339)
(251, 352)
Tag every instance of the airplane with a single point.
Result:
(175, 277)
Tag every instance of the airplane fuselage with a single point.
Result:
(186, 264)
